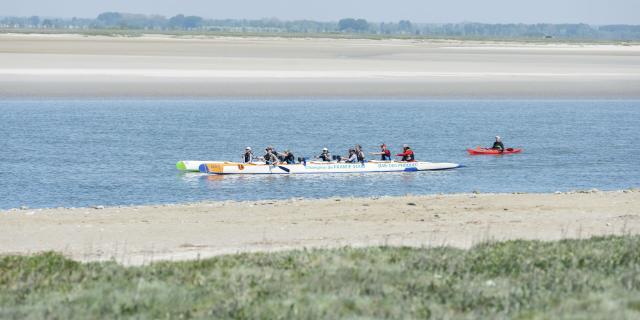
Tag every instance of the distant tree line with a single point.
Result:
(118, 20)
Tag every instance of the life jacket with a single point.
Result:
(360, 156)
(386, 155)
(248, 157)
(408, 155)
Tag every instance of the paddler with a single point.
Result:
(248, 155)
(270, 157)
(352, 157)
(325, 155)
(407, 154)
(359, 153)
(385, 154)
(497, 145)
(288, 157)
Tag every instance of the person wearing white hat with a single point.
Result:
(248, 155)
(497, 145)
(325, 155)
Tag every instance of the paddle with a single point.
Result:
(284, 169)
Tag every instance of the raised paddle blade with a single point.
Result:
(284, 169)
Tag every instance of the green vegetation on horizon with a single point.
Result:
(128, 33)
(349, 26)
(593, 278)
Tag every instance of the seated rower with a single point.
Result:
(385, 154)
(325, 155)
(407, 154)
(270, 157)
(497, 145)
(352, 157)
(248, 155)
(359, 153)
(288, 157)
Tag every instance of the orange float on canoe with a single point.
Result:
(479, 151)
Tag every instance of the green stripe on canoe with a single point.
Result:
(181, 166)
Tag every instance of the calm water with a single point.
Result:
(82, 153)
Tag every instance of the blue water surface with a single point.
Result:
(119, 152)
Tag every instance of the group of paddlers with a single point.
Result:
(355, 154)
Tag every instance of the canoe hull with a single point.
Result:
(191, 165)
(482, 151)
(323, 167)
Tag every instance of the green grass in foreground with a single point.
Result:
(595, 278)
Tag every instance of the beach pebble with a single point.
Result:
(411, 203)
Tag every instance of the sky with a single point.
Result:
(596, 12)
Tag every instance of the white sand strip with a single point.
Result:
(74, 66)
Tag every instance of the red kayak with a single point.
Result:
(479, 150)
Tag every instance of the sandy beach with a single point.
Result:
(140, 234)
(163, 66)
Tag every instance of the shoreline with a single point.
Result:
(138, 235)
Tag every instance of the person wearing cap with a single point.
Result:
(385, 154)
(325, 155)
(407, 154)
(248, 155)
(497, 145)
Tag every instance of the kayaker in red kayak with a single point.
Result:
(407, 154)
(498, 145)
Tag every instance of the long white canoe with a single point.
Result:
(322, 167)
